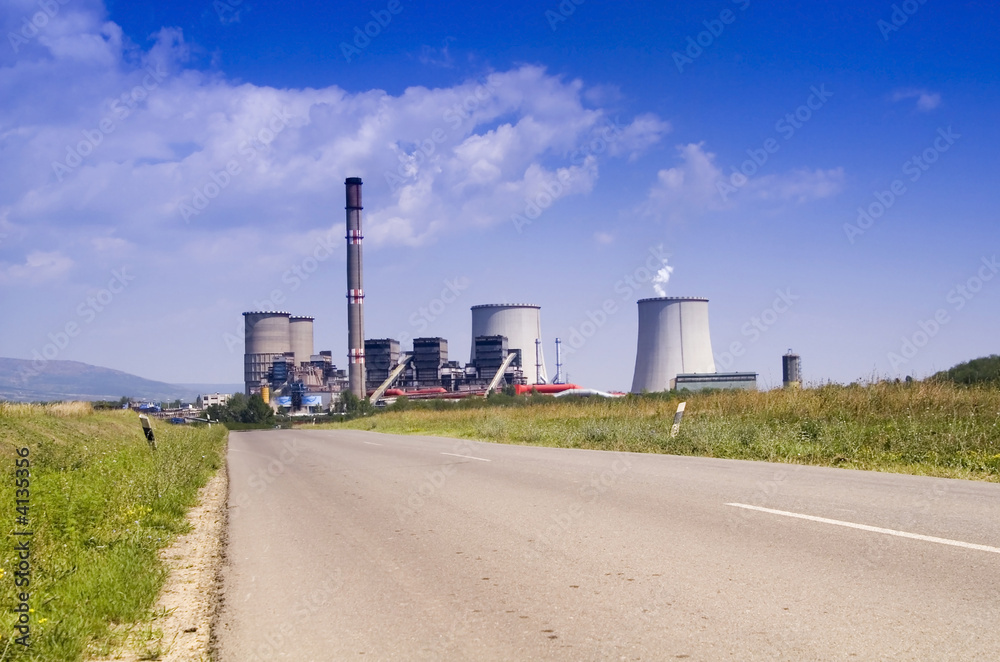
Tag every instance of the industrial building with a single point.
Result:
(791, 370)
(279, 361)
(521, 324)
(674, 349)
(727, 380)
(673, 338)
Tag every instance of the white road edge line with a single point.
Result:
(372, 443)
(875, 529)
(481, 459)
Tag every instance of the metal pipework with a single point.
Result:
(355, 291)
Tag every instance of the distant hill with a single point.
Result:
(21, 381)
(977, 371)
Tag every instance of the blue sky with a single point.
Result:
(168, 166)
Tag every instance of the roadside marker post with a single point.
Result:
(677, 420)
(148, 430)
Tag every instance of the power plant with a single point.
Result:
(673, 350)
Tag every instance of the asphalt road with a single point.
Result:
(349, 545)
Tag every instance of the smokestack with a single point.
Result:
(560, 378)
(355, 290)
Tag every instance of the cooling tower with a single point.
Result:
(267, 337)
(520, 323)
(673, 338)
(301, 336)
(355, 291)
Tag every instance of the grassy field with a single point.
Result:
(102, 503)
(919, 428)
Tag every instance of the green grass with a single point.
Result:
(922, 428)
(102, 505)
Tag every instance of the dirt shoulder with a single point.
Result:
(181, 628)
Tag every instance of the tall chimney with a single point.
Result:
(355, 291)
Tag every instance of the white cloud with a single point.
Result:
(38, 267)
(604, 237)
(123, 150)
(926, 100)
(697, 184)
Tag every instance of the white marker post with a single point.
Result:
(677, 420)
(148, 429)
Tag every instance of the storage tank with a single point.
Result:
(791, 370)
(300, 331)
(521, 324)
(673, 338)
(267, 337)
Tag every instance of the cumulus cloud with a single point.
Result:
(926, 100)
(697, 184)
(105, 139)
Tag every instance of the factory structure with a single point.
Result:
(673, 350)
(281, 366)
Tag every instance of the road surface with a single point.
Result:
(349, 545)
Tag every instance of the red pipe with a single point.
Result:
(427, 391)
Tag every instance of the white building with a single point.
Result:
(214, 399)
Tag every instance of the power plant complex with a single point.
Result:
(673, 350)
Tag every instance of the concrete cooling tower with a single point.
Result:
(673, 338)
(521, 323)
(301, 336)
(267, 336)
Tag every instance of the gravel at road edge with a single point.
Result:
(187, 606)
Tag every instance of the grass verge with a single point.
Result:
(924, 428)
(101, 506)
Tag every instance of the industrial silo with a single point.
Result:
(522, 325)
(673, 338)
(300, 331)
(267, 336)
(791, 370)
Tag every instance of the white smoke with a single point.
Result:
(661, 278)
